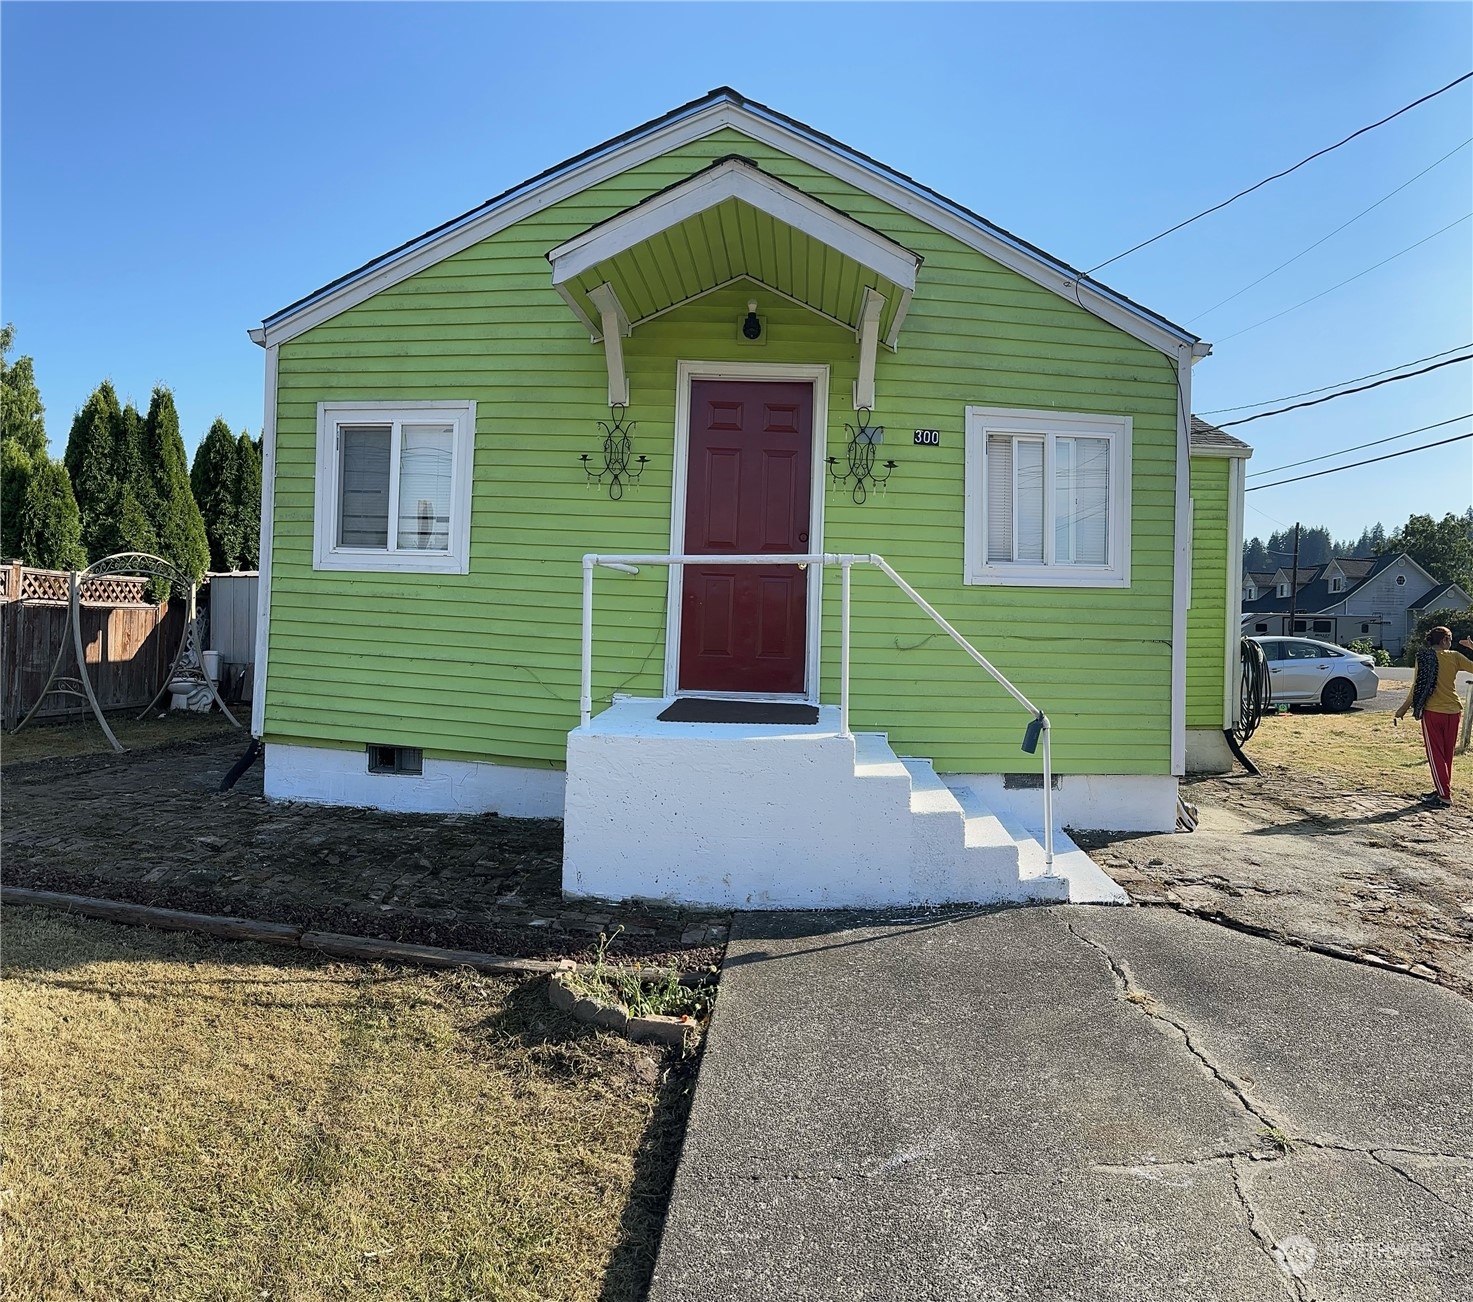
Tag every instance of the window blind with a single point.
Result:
(363, 520)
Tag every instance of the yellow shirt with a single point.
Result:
(1444, 698)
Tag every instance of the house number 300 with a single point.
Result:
(930, 438)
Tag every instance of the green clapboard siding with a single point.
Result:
(1207, 619)
(485, 665)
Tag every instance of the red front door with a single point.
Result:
(743, 628)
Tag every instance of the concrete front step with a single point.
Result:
(776, 817)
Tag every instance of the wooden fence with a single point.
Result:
(129, 641)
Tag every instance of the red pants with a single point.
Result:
(1440, 733)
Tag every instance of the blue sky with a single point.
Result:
(173, 173)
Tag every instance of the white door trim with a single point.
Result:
(753, 372)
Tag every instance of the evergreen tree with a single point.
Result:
(215, 481)
(16, 468)
(1315, 547)
(248, 500)
(1255, 556)
(91, 461)
(1441, 547)
(22, 417)
(49, 528)
(165, 495)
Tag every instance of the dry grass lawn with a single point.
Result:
(84, 737)
(189, 1119)
(1361, 747)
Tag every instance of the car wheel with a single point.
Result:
(1338, 695)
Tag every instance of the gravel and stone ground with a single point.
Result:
(149, 827)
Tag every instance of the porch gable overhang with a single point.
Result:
(729, 221)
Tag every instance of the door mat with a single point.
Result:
(696, 709)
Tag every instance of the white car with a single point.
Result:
(1303, 671)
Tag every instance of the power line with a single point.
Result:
(1336, 231)
(1374, 443)
(1335, 470)
(1355, 379)
(1330, 397)
(1280, 175)
(1346, 281)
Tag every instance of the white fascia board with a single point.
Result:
(1241, 454)
(706, 122)
(735, 179)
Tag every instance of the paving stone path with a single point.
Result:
(149, 827)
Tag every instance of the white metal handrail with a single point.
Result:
(846, 562)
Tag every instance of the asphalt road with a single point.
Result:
(1070, 1103)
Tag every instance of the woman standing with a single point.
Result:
(1434, 700)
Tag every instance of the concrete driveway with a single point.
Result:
(1070, 1103)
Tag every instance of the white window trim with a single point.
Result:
(327, 555)
(982, 421)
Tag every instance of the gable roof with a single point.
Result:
(1435, 597)
(719, 109)
(1209, 441)
(1313, 594)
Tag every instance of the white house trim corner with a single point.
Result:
(1181, 579)
(268, 514)
(1232, 698)
(753, 372)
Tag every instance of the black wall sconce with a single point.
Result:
(616, 459)
(752, 326)
(860, 456)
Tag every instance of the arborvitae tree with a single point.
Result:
(91, 460)
(22, 417)
(215, 481)
(248, 500)
(174, 515)
(49, 528)
(16, 468)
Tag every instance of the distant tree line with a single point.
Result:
(123, 484)
(1444, 548)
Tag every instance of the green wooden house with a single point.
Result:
(946, 485)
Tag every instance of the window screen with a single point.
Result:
(363, 520)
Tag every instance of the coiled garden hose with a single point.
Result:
(1255, 695)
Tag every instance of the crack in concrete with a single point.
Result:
(1217, 918)
(1292, 1284)
(1376, 1156)
(1146, 1003)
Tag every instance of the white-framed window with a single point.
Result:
(1283, 589)
(394, 486)
(1336, 584)
(1047, 498)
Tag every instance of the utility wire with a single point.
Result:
(1330, 397)
(1374, 443)
(1224, 338)
(1335, 470)
(1336, 231)
(1356, 379)
(1279, 175)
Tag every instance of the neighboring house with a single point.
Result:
(1380, 598)
(759, 311)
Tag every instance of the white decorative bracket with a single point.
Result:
(616, 328)
(868, 335)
